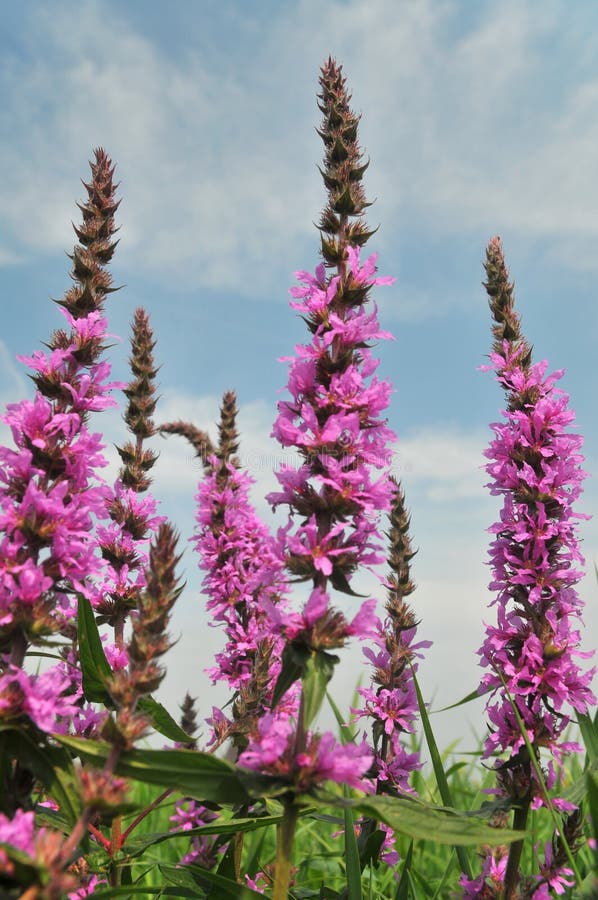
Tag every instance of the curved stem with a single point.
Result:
(145, 812)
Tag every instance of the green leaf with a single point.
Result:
(441, 779)
(127, 891)
(135, 846)
(370, 842)
(576, 792)
(95, 667)
(177, 875)
(352, 861)
(163, 721)
(293, 666)
(589, 733)
(226, 887)
(319, 669)
(422, 821)
(52, 818)
(51, 765)
(198, 775)
(346, 733)
(402, 892)
(474, 695)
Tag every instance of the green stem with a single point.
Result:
(515, 851)
(284, 852)
(115, 845)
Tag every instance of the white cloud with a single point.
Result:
(204, 180)
(218, 164)
(445, 464)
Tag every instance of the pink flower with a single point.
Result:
(88, 889)
(19, 832)
(272, 752)
(333, 418)
(41, 698)
(535, 465)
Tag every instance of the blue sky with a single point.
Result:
(479, 119)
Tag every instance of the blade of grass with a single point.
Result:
(352, 861)
(402, 892)
(441, 780)
(445, 875)
(346, 732)
(474, 695)
(589, 733)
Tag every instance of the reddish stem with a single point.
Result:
(144, 813)
(100, 838)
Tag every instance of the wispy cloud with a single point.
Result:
(444, 464)
(214, 159)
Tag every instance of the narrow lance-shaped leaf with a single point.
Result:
(198, 775)
(95, 668)
(423, 822)
(162, 721)
(441, 779)
(319, 669)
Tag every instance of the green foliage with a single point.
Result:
(95, 668)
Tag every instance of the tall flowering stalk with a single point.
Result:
(132, 511)
(333, 419)
(51, 497)
(535, 466)
(243, 575)
(48, 496)
(50, 491)
(391, 702)
(333, 415)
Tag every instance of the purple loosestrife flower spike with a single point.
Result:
(50, 492)
(149, 639)
(535, 465)
(333, 414)
(199, 440)
(507, 325)
(188, 719)
(392, 703)
(124, 542)
(343, 169)
(243, 576)
(48, 498)
(141, 394)
(333, 419)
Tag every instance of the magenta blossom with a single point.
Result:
(18, 832)
(41, 698)
(319, 625)
(535, 463)
(333, 418)
(272, 752)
